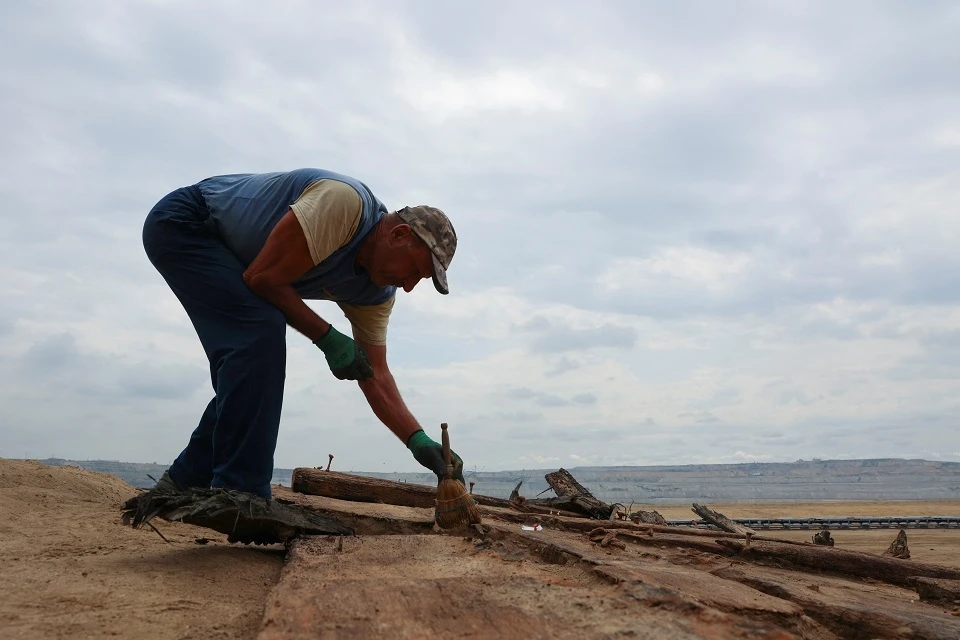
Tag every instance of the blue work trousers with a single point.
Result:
(244, 337)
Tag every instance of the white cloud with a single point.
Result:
(947, 135)
(740, 456)
(669, 231)
(446, 95)
(538, 459)
(711, 272)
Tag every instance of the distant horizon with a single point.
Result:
(532, 469)
(809, 480)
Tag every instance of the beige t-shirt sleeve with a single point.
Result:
(329, 213)
(369, 321)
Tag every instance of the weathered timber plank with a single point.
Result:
(847, 609)
(719, 520)
(669, 541)
(354, 488)
(585, 507)
(345, 486)
(526, 506)
(843, 562)
(375, 587)
(938, 591)
(573, 496)
(700, 586)
(584, 524)
(365, 518)
(564, 484)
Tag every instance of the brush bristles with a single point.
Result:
(455, 505)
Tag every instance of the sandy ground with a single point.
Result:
(428, 586)
(71, 570)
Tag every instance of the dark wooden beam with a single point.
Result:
(721, 521)
(573, 496)
(346, 486)
(841, 562)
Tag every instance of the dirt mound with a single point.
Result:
(28, 481)
(72, 569)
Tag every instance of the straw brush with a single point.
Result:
(455, 505)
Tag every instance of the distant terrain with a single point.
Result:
(804, 480)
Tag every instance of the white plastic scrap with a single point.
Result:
(535, 527)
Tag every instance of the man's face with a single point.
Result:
(401, 260)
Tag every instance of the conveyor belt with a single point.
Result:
(839, 522)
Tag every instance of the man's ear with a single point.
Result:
(401, 232)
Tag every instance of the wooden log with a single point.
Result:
(564, 484)
(365, 518)
(583, 507)
(670, 541)
(647, 517)
(527, 506)
(721, 521)
(579, 523)
(515, 494)
(354, 488)
(662, 542)
(938, 591)
(842, 562)
(573, 496)
(898, 548)
(566, 506)
(345, 486)
(490, 501)
(823, 538)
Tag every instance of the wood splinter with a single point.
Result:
(605, 538)
(610, 540)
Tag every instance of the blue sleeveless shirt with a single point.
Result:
(245, 207)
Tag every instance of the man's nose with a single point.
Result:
(409, 284)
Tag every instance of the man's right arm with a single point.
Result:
(285, 257)
(321, 220)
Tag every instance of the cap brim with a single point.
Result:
(439, 276)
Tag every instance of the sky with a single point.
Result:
(689, 232)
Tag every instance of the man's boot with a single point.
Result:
(166, 484)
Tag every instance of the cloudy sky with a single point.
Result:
(689, 232)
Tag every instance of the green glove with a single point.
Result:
(430, 454)
(345, 358)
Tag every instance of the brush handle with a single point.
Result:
(445, 439)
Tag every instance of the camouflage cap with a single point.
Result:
(433, 227)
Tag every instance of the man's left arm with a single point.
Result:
(384, 397)
(385, 400)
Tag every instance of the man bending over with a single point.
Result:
(242, 252)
